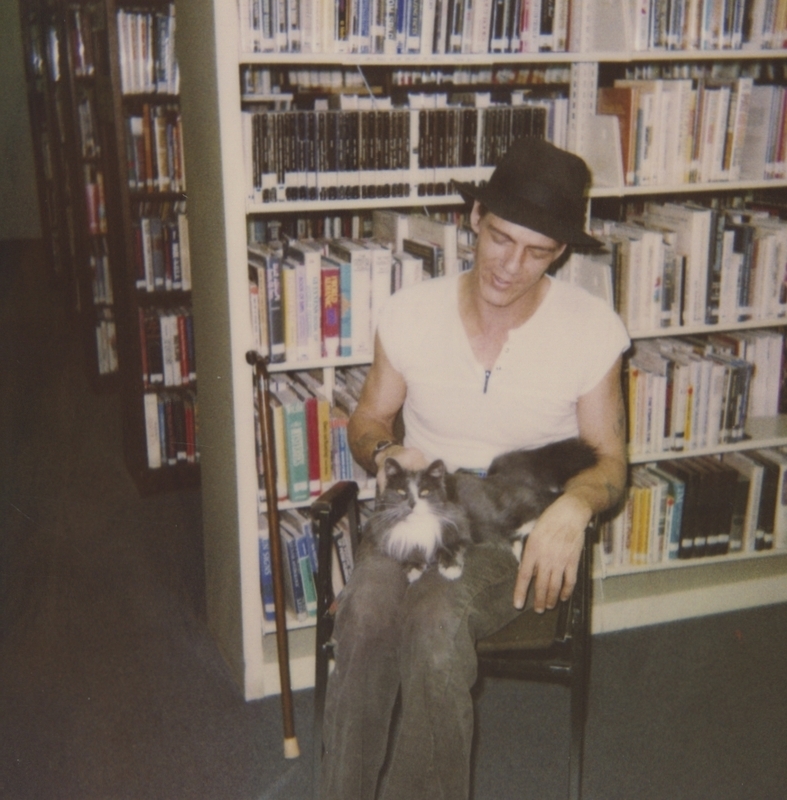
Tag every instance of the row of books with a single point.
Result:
(348, 225)
(154, 149)
(89, 141)
(698, 391)
(95, 199)
(258, 80)
(310, 434)
(393, 152)
(700, 506)
(403, 26)
(106, 340)
(80, 33)
(317, 299)
(100, 272)
(676, 264)
(171, 428)
(708, 25)
(167, 347)
(299, 547)
(146, 41)
(501, 76)
(685, 131)
(762, 71)
(162, 261)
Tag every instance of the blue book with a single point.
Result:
(266, 570)
(345, 309)
(293, 582)
(306, 574)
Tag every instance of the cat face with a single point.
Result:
(405, 487)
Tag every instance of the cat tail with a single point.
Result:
(555, 463)
(567, 458)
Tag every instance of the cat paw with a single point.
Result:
(414, 573)
(518, 543)
(451, 572)
(517, 548)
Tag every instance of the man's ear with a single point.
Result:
(475, 216)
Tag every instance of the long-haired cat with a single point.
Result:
(429, 516)
(416, 523)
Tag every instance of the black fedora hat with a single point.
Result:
(541, 187)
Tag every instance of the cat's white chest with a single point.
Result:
(420, 530)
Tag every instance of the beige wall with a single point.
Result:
(19, 218)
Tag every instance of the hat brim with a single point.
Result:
(522, 212)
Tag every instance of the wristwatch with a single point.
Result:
(383, 444)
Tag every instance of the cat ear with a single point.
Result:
(392, 467)
(436, 469)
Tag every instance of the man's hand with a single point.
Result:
(408, 457)
(552, 552)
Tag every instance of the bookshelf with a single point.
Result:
(64, 60)
(159, 388)
(212, 57)
(111, 186)
(45, 106)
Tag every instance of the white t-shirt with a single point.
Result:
(454, 410)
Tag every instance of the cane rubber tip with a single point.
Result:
(291, 749)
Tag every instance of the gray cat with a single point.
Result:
(430, 516)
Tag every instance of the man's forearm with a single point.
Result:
(601, 487)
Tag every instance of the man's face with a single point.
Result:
(510, 259)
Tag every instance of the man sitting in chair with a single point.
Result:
(497, 358)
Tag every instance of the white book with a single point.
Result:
(692, 227)
(591, 271)
(439, 233)
(152, 432)
(755, 152)
(309, 255)
(382, 261)
(390, 226)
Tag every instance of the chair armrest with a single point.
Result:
(334, 503)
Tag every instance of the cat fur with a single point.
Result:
(430, 516)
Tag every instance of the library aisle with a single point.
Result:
(111, 687)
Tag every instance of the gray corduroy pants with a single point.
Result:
(420, 637)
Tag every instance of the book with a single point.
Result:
(437, 232)
(268, 260)
(430, 255)
(619, 101)
(360, 305)
(309, 306)
(291, 523)
(778, 458)
(294, 590)
(266, 566)
(769, 500)
(380, 284)
(296, 444)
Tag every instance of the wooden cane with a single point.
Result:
(291, 749)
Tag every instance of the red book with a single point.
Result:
(331, 307)
(185, 366)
